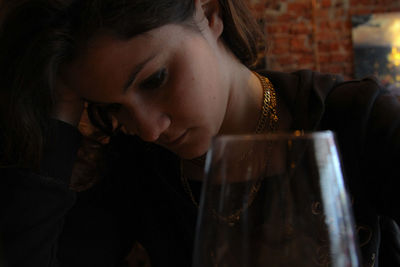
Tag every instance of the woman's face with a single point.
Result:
(164, 86)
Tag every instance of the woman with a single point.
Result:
(162, 77)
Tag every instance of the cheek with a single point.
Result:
(202, 103)
(194, 93)
(125, 119)
(188, 97)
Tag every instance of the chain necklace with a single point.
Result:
(269, 110)
(268, 113)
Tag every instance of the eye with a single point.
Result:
(155, 81)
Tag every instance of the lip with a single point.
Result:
(179, 140)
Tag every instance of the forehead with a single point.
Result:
(106, 62)
(107, 45)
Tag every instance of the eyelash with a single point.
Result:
(155, 81)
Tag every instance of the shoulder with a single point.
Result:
(365, 114)
(304, 93)
(356, 92)
(365, 100)
(301, 81)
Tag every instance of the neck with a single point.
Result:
(241, 117)
(244, 102)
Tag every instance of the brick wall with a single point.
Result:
(313, 34)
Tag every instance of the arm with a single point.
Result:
(383, 145)
(382, 154)
(366, 119)
(33, 204)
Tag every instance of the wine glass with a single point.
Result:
(275, 200)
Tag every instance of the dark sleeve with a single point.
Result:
(366, 119)
(33, 204)
(383, 146)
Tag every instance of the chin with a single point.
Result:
(192, 152)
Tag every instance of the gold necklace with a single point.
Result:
(268, 113)
(269, 110)
(235, 216)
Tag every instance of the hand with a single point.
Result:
(69, 105)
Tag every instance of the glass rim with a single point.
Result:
(275, 135)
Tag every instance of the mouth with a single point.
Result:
(177, 141)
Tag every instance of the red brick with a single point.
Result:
(341, 4)
(306, 60)
(347, 45)
(344, 25)
(281, 41)
(300, 28)
(324, 24)
(341, 58)
(300, 44)
(326, 35)
(289, 25)
(257, 8)
(299, 9)
(324, 58)
(280, 45)
(389, 2)
(285, 60)
(361, 2)
(334, 25)
(307, 66)
(349, 68)
(325, 3)
(279, 50)
(340, 13)
(328, 47)
(323, 13)
(286, 17)
(278, 28)
(362, 11)
(273, 4)
(273, 65)
(299, 6)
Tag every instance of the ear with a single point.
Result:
(208, 14)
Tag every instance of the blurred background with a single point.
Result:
(318, 35)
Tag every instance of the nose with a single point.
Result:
(149, 122)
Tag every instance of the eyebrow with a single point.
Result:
(135, 72)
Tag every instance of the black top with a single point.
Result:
(43, 223)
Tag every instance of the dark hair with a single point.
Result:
(28, 64)
(38, 36)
